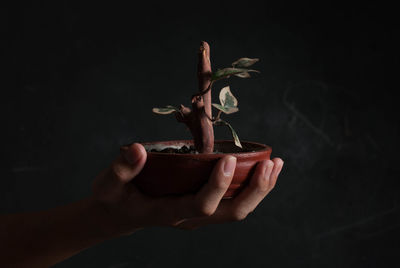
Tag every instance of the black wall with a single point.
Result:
(79, 81)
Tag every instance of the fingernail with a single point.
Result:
(229, 165)
(268, 169)
(131, 153)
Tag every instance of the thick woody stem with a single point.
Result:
(201, 105)
(199, 119)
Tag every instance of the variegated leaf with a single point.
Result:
(224, 109)
(165, 110)
(243, 75)
(244, 62)
(227, 72)
(226, 98)
(234, 134)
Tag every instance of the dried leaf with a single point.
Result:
(226, 98)
(234, 134)
(244, 62)
(224, 109)
(165, 110)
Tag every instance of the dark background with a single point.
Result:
(79, 81)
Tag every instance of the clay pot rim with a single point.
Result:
(263, 148)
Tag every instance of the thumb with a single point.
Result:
(129, 163)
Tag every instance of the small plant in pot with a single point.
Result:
(183, 166)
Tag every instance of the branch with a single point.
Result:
(202, 92)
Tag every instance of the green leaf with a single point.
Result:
(165, 110)
(244, 62)
(226, 98)
(221, 122)
(226, 110)
(227, 72)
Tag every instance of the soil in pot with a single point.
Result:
(183, 150)
(190, 149)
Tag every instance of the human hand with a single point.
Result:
(129, 209)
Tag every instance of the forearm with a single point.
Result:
(42, 239)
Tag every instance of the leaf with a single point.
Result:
(226, 110)
(165, 110)
(234, 135)
(226, 98)
(227, 72)
(243, 75)
(244, 62)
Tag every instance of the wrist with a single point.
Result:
(108, 223)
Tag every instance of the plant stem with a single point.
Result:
(201, 105)
(199, 119)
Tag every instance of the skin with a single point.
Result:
(117, 207)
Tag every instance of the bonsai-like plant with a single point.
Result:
(199, 119)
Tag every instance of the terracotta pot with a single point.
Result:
(171, 173)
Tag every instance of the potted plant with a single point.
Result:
(183, 166)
